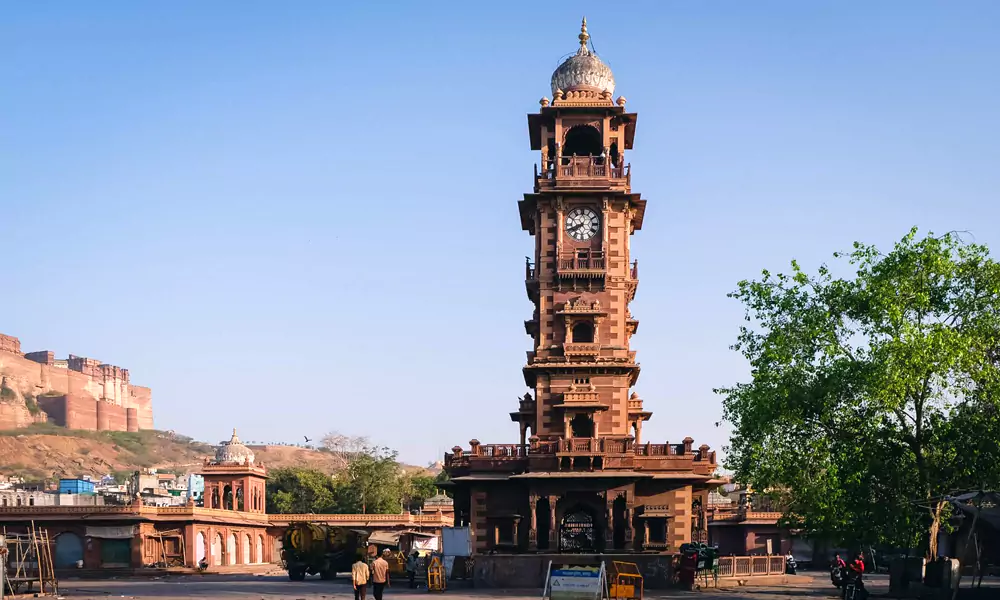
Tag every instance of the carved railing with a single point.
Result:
(572, 261)
(656, 450)
(751, 566)
(529, 271)
(575, 349)
(635, 404)
(590, 167)
(433, 519)
(596, 446)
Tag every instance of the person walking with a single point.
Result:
(411, 568)
(359, 577)
(380, 574)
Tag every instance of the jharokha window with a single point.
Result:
(583, 333)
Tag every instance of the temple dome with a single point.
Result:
(234, 452)
(583, 71)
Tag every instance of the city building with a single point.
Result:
(582, 478)
(136, 530)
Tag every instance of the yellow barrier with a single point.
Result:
(435, 576)
(627, 582)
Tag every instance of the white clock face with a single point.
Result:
(582, 224)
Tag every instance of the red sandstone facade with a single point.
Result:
(76, 393)
(582, 479)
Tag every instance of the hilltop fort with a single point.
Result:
(75, 392)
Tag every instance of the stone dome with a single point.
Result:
(234, 452)
(583, 71)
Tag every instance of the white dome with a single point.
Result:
(234, 452)
(583, 71)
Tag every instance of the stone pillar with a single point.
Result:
(568, 433)
(638, 431)
(553, 525)
(524, 431)
(629, 516)
(609, 517)
(533, 530)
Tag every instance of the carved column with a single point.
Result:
(553, 525)
(629, 516)
(533, 531)
(609, 516)
(638, 431)
(524, 429)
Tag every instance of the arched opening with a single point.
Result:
(215, 498)
(260, 549)
(31, 501)
(19, 501)
(578, 531)
(543, 520)
(231, 549)
(583, 140)
(239, 499)
(227, 498)
(246, 559)
(583, 333)
(616, 156)
(5, 502)
(582, 426)
(217, 550)
(619, 522)
(199, 548)
(69, 550)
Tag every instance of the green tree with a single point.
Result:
(418, 488)
(863, 386)
(296, 490)
(373, 482)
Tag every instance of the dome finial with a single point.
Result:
(584, 36)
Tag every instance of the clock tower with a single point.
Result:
(581, 478)
(582, 215)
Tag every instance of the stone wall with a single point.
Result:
(68, 392)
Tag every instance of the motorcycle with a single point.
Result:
(837, 576)
(854, 588)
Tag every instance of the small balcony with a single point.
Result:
(575, 350)
(597, 447)
(583, 171)
(586, 264)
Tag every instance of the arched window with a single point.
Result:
(583, 333)
(31, 501)
(19, 501)
(583, 140)
(227, 498)
(5, 502)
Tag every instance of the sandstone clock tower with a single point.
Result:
(582, 215)
(581, 478)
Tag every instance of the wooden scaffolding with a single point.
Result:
(28, 560)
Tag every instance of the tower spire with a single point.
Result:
(584, 36)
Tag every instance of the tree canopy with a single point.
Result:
(372, 481)
(872, 396)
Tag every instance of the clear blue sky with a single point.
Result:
(300, 217)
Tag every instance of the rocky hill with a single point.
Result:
(43, 451)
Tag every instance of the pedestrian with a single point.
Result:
(411, 568)
(359, 577)
(380, 574)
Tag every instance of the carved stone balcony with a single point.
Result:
(587, 266)
(581, 350)
(582, 172)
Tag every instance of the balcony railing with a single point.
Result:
(574, 349)
(604, 445)
(529, 270)
(596, 446)
(573, 261)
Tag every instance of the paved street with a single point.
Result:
(275, 587)
(278, 587)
